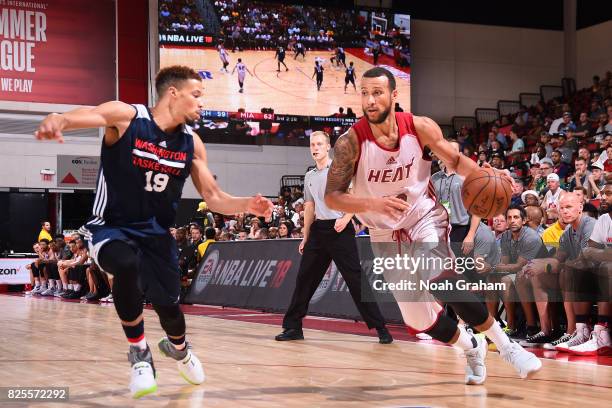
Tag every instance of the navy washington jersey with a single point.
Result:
(141, 176)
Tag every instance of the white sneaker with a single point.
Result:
(475, 370)
(37, 290)
(143, 372)
(48, 292)
(188, 364)
(598, 345)
(581, 335)
(423, 336)
(524, 362)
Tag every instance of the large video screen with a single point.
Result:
(216, 38)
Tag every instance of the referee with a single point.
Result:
(330, 237)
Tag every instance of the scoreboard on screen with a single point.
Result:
(278, 118)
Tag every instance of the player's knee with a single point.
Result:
(171, 319)
(444, 329)
(473, 313)
(118, 258)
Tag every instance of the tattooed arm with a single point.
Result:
(346, 152)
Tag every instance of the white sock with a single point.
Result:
(465, 341)
(598, 327)
(70, 286)
(497, 336)
(43, 284)
(58, 283)
(581, 326)
(77, 287)
(51, 284)
(36, 283)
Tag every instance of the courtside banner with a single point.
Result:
(184, 38)
(13, 270)
(57, 51)
(261, 274)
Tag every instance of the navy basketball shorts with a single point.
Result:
(159, 273)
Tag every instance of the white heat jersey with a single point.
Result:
(404, 171)
(223, 54)
(241, 68)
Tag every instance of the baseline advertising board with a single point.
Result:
(57, 51)
(13, 271)
(261, 275)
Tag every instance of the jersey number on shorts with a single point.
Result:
(156, 183)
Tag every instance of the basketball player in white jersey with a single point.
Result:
(224, 58)
(242, 70)
(384, 156)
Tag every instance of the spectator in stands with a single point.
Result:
(595, 111)
(273, 233)
(585, 154)
(210, 237)
(535, 214)
(192, 253)
(242, 235)
(497, 161)
(550, 203)
(500, 137)
(284, 230)
(566, 152)
(203, 216)
(584, 128)
(580, 177)
(519, 245)
(530, 197)
(517, 191)
(262, 233)
(518, 146)
(545, 140)
(559, 168)
(539, 154)
(255, 226)
(596, 181)
(45, 232)
(566, 123)
(560, 274)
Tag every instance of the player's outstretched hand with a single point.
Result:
(391, 206)
(504, 174)
(50, 128)
(260, 206)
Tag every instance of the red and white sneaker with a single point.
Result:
(581, 335)
(598, 345)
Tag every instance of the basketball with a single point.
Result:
(485, 193)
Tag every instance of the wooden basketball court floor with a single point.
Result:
(50, 342)
(288, 92)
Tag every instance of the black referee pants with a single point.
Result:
(324, 245)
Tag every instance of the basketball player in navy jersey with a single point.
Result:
(280, 56)
(318, 71)
(350, 76)
(146, 157)
(385, 156)
(299, 50)
(242, 70)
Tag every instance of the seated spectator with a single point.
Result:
(559, 168)
(72, 272)
(566, 123)
(284, 230)
(535, 215)
(518, 146)
(580, 177)
(262, 233)
(242, 235)
(273, 233)
(97, 285)
(517, 191)
(530, 197)
(596, 181)
(550, 203)
(210, 237)
(255, 226)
